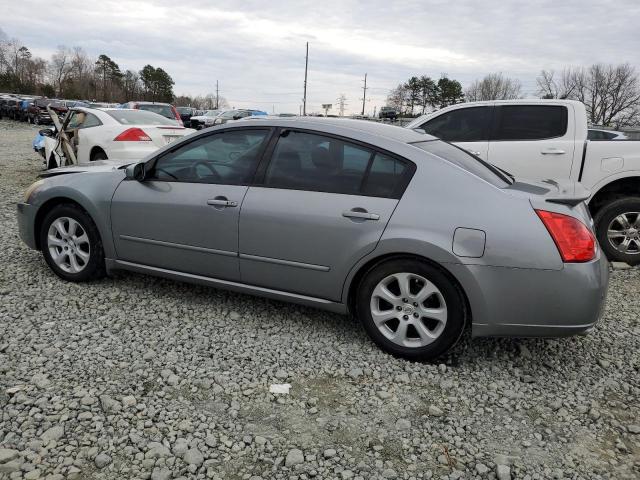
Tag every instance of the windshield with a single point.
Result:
(211, 113)
(138, 117)
(468, 162)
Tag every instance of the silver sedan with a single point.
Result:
(412, 235)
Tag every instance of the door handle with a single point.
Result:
(477, 154)
(360, 214)
(552, 151)
(221, 202)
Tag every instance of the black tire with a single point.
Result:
(453, 297)
(94, 267)
(98, 155)
(603, 219)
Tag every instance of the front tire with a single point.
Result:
(618, 230)
(411, 309)
(71, 244)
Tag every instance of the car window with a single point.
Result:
(228, 158)
(529, 122)
(595, 135)
(307, 161)
(466, 161)
(461, 125)
(164, 110)
(138, 117)
(83, 120)
(385, 175)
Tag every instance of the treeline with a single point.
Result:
(418, 94)
(72, 73)
(610, 93)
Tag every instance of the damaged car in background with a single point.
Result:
(103, 134)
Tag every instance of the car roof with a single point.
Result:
(391, 132)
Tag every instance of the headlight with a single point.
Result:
(32, 189)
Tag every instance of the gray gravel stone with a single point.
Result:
(503, 472)
(294, 457)
(7, 454)
(102, 460)
(193, 457)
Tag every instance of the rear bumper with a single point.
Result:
(536, 303)
(26, 215)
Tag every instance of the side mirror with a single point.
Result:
(136, 172)
(46, 132)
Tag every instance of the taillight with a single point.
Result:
(574, 240)
(177, 115)
(133, 135)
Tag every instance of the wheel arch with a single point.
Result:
(96, 149)
(628, 186)
(45, 208)
(369, 264)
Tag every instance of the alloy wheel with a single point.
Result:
(624, 233)
(408, 309)
(68, 245)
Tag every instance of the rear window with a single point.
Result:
(529, 122)
(138, 117)
(466, 161)
(164, 110)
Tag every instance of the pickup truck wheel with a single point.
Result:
(618, 230)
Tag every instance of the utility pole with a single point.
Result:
(304, 98)
(217, 96)
(342, 102)
(364, 94)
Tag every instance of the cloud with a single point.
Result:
(256, 49)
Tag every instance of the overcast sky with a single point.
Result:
(256, 48)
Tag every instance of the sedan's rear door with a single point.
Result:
(322, 203)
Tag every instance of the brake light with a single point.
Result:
(177, 115)
(133, 135)
(574, 240)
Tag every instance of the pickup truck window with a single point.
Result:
(463, 159)
(462, 125)
(529, 122)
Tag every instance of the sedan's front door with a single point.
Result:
(184, 216)
(322, 206)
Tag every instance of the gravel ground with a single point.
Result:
(138, 377)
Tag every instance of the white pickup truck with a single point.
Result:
(547, 139)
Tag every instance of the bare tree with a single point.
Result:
(397, 98)
(552, 86)
(60, 68)
(494, 86)
(610, 93)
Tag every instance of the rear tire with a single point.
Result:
(71, 244)
(406, 324)
(617, 226)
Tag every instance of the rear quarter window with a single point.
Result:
(163, 110)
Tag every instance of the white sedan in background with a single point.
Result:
(112, 133)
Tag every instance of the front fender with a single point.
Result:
(92, 191)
